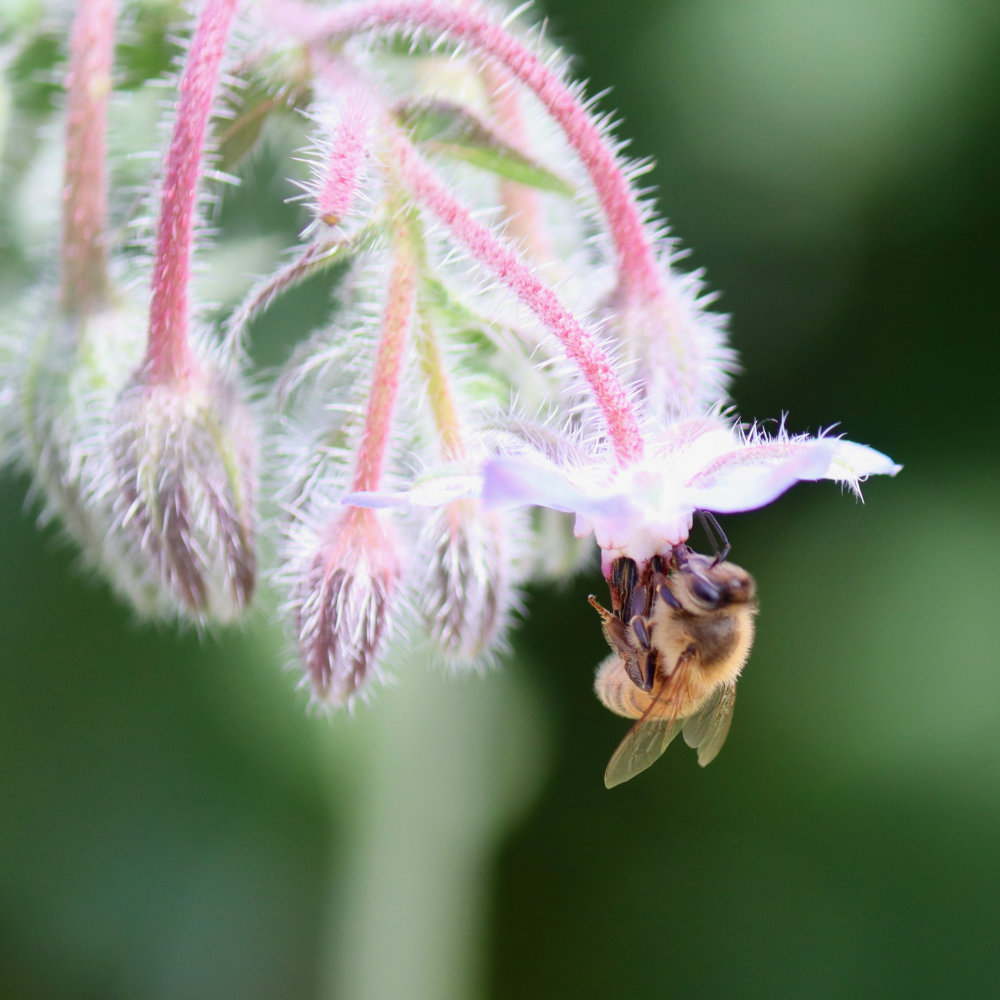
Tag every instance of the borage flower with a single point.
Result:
(646, 507)
(703, 464)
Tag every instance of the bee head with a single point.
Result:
(708, 585)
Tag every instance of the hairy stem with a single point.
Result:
(84, 211)
(396, 321)
(349, 146)
(168, 353)
(439, 392)
(636, 257)
(580, 346)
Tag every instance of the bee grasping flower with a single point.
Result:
(681, 624)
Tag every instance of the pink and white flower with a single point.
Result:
(644, 507)
(703, 464)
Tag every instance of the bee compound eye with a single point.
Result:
(706, 591)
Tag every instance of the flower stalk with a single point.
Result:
(637, 263)
(440, 394)
(344, 596)
(168, 353)
(580, 346)
(396, 322)
(83, 254)
(658, 314)
(344, 164)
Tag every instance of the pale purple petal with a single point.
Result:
(375, 499)
(434, 491)
(516, 480)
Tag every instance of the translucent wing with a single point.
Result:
(708, 728)
(645, 742)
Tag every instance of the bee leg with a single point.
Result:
(640, 602)
(638, 625)
(649, 674)
(641, 669)
(624, 576)
(666, 595)
(602, 611)
(716, 536)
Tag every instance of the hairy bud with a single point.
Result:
(63, 386)
(185, 453)
(466, 596)
(343, 603)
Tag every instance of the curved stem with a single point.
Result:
(168, 353)
(637, 263)
(580, 346)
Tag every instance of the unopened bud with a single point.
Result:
(343, 605)
(466, 595)
(64, 392)
(185, 452)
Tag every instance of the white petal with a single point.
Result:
(852, 462)
(753, 478)
(744, 485)
(436, 491)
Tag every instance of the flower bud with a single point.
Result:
(64, 382)
(466, 595)
(343, 604)
(185, 453)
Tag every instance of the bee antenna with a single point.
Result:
(716, 536)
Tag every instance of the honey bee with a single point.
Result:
(680, 631)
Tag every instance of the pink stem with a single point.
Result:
(521, 206)
(349, 146)
(396, 321)
(580, 346)
(84, 263)
(168, 353)
(637, 265)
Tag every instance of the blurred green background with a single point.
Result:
(174, 824)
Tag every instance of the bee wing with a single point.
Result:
(644, 743)
(707, 729)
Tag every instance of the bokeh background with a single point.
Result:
(174, 824)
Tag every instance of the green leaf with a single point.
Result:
(254, 104)
(455, 131)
